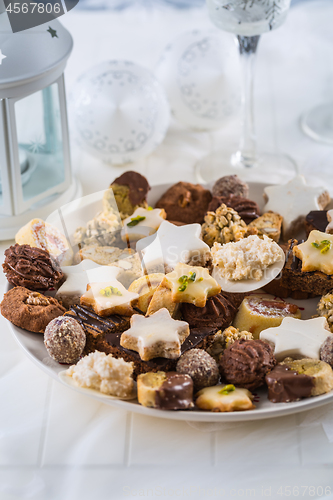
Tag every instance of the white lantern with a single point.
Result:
(35, 168)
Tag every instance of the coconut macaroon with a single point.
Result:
(104, 373)
(245, 259)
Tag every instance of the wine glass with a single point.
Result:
(318, 123)
(248, 19)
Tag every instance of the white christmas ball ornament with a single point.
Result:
(200, 73)
(120, 111)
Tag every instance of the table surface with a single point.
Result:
(57, 444)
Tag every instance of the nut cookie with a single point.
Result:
(29, 310)
(223, 226)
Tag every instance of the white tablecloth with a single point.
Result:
(56, 444)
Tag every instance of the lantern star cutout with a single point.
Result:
(2, 56)
(52, 32)
(170, 245)
(155, 336)
(191, 284)
(294, 200)
(78, 277)
(297, 338)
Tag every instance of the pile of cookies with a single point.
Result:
(181, 297)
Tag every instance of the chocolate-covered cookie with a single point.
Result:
(248, 210)
(31, 267)
(130, 191)
(185, 202)
(29, 310)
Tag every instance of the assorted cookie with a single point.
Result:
(163, 295)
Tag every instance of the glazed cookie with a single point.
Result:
(224, 398)
(230, 185)
(155, 336)
(31, 267)
(130, 192)
(185, 202)
(29, 310)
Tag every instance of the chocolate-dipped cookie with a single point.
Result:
(316, 220)
(185, 202)
(130, 191)
(248, 210)
(166, 391)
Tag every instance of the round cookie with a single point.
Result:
(230, 184)
(246, 363)
(29, 310)
(200, 366)
(185, 202)
(31, 267)
(326, 351)
(64, 339)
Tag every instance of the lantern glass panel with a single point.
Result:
(39, 136)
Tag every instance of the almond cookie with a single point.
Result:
(145, 288)
(224, 398)
(223, 226)
(269, 224)
(247, 209)
(29, 310)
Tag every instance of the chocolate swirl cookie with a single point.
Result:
(248, 210)
(218, 312)
(31, 267)
(246, 363)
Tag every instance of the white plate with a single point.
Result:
(33, 346)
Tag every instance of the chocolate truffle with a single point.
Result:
(286, 385)
(218, 312)
(200, 366)
(31, 268)
(64, 339)
(326, 351)
(248, 210)
(185, 202)
(246, 363)
(230, 184)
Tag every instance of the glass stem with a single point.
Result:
(247, 154)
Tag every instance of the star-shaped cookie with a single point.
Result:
(155, 336)
(297, 338)
(143, 222)
(108, 297)
(190, 284)
(316, 253)
(79, 276)
(294, 201)
(170, 245)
